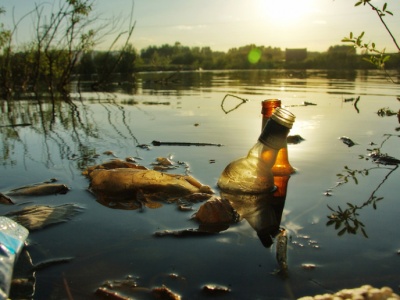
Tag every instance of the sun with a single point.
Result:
(285, 11)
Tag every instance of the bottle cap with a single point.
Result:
(283, 117)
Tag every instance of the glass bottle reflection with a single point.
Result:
(264, 211)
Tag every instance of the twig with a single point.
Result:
(236, 107)
(158, 143)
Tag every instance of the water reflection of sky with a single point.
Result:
(104, 122)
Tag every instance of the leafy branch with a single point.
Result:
(377, 57)
(346, 220)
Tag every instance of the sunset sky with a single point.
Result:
(225, 24)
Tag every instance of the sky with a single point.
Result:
(225, 24)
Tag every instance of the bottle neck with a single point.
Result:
(274, 135)
(267, 109)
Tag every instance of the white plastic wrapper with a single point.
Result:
(12, 239)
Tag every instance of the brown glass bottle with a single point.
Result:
(282, 165)
(253, 174)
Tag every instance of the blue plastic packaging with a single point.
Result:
(12, 240)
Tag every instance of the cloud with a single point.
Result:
(189, 27)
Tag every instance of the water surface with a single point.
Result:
(109, 244)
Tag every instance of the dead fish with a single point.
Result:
(40, 190)
(347, 141)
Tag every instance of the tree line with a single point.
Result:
(63, 45)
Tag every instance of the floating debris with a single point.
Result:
(110, 153)
(108, 294)
(183, 207)
(50, 262)
(158, 143)
(40, 216)
(216, 211)
(155, 103)
(130, 159)
(294, 139)
(136, 187)
(212, 289)
(363, 292)
(113, 164)
(144, 146)
(386, 112)
(164, 161)
(39, 189)
(347, 141)
(281, 251)
(5, 200)
(383, 159)
(165, 293)
(184, 232)
(308, 266)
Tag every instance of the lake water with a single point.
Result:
(110, 244)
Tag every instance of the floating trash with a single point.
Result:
(347, 141)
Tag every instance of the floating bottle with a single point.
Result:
(282, 165)
(253, 174)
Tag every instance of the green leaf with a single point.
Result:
(384, 7)
(358, 3)
(330, 222)
(341, 232)
(338, 224)
(364, 233)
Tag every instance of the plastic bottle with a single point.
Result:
(12, 239)
(282, 166)
(253, 174)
